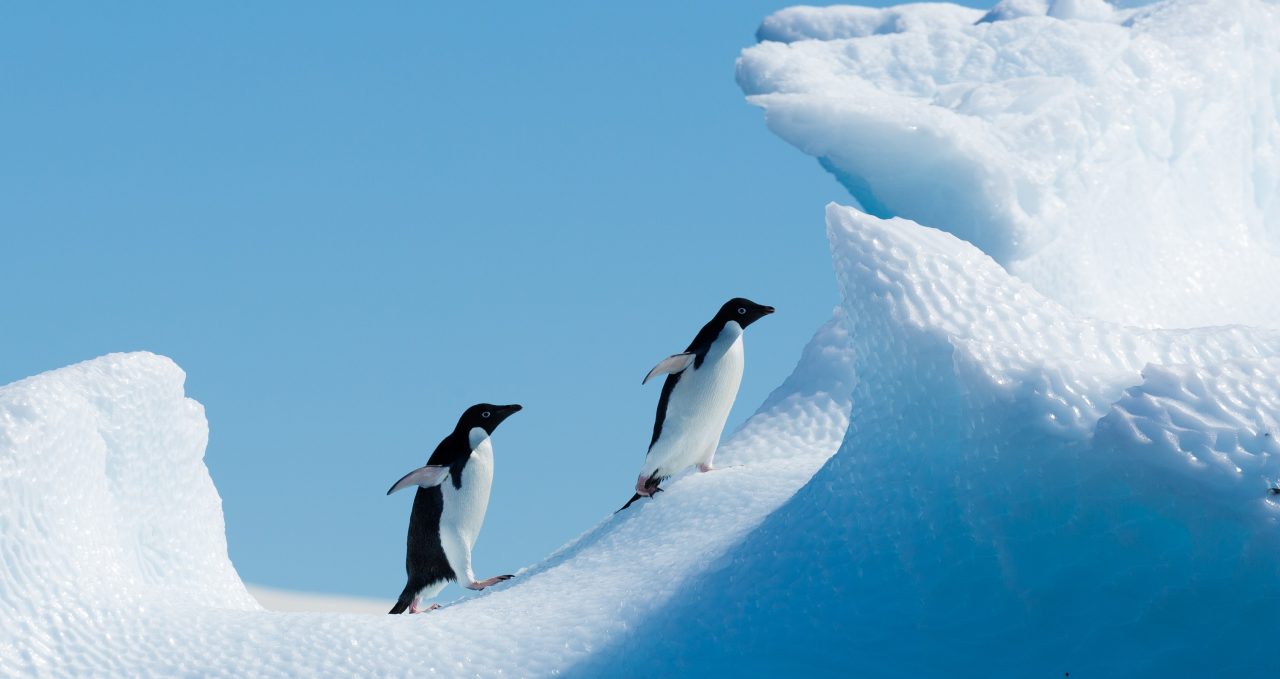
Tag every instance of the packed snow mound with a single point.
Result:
(1021, 492)
(106, 500)
(115, 560)
(1126, 163)
(107, 511)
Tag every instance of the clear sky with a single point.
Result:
(348, 223)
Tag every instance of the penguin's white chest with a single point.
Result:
(464, 508)
(699, 407)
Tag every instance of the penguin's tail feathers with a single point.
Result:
(652, 487)
(407, 597)
(635, 497)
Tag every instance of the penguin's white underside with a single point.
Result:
(464, 508)
(698, 407)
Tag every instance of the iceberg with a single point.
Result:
(1037, 437)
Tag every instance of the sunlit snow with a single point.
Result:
(1037, 437)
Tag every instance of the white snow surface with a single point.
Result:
(1125, 162)
(1052, 382)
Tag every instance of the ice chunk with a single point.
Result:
(835, 23)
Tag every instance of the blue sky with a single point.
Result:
(349, 223)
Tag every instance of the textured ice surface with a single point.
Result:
(106, 510)
(1021, 492)
(1126, 163)
(115, 562)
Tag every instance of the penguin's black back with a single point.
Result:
(424, 560)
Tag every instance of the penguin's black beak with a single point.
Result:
(766, 310)
(512, 409)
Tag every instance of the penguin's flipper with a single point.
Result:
(426, 477)
(670, 366)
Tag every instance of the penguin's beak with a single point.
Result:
(512, 409)
(767, 310)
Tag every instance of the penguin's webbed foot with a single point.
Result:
(481, 584)
(648, 486)
(413, 608)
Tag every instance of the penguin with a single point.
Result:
(453, 493)
(702, 383)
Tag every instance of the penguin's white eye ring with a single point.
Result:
(484, 414)
(742, 310)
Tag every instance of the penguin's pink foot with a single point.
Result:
(709, 468)
(481, 584)
(647, 486)
(413, 608)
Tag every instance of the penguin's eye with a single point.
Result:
(484, 414)
(742, 310)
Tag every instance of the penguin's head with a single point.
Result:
(743, 311)
(486, 416)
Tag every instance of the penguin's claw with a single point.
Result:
(481, 584)
(414, 608)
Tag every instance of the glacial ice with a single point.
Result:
(1052, 383)
(1124, 162)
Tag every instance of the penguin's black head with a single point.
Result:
(486, 416)
(743, 311)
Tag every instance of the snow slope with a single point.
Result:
(1021, 492)
(115, 560)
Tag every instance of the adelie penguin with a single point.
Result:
(453, 493)
(702, 383)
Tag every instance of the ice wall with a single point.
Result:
(1126, 163)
